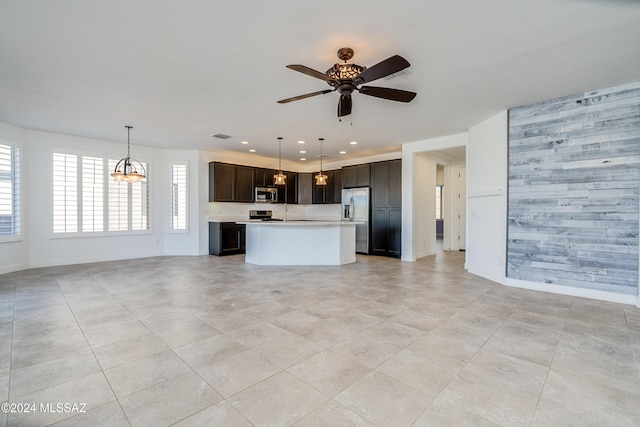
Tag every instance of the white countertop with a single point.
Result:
(298, 223)
(227, 219)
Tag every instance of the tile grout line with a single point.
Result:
(13, 330)
(91, 348)
(546, 378)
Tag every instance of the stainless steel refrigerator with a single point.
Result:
(355, 207)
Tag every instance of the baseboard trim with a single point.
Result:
(573, 291)
(13, 268)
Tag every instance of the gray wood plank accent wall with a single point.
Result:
(573, 190)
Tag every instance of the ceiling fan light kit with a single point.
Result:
(347, 78)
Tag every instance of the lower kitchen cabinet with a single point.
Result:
(386, 232)
(226, 238)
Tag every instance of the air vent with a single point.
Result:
(221, 136)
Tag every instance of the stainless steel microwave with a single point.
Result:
(266, 195)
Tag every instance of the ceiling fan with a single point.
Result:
(347, 78)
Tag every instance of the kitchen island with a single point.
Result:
(300, 242)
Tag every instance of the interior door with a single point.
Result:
(461, 186)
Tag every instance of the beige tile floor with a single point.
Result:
(206, 341)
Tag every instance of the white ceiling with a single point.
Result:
(179, 71)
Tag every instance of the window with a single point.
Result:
(65, 193)
(10, 207)
(439, 201)
(92, 194)
(179, 206)
(85, 198)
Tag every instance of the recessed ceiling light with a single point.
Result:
(300, 142)
(303, 152)
(343, 152)
(353, 143)
(244, 142)
(252, 151)
(302, 158)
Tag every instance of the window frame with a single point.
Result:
(106, 157)
(440, 202)
(184, 230)
(18, 188)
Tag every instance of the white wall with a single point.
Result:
(424, 205)
(47, 250)
(14, 255)
(413, 164)
(487, 184)
(40, 248)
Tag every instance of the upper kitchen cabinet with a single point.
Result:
(356, 176)
(230, 183)
(333, 192)
(291, 187)
(264, 177)
(244, 184)
(330, 193)
(288, 193)
(222, 182)
(386, 184)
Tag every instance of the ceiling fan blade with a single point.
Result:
(382, 69)
(344, 105)
(388, 93)
(310, 72)
(306, 95)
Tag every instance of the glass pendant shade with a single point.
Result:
(321, 179)
(129, 169)
(279, 178)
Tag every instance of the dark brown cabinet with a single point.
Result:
(395, 183)
(333, 193)
(386, 208)
(356, 176)
(226, 238)
(264, 177)
(222, 182)
(288, 193)
(291, 192)
(244, 184)
(230, 183)
(330, 193)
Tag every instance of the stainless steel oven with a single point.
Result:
(266, 194)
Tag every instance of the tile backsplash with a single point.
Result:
(240, 211)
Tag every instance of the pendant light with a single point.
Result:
(129, 169)
(321, 178)
(279, 178)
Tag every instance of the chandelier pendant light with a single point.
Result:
(129, 169)
(279, 178)
(321, 178)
